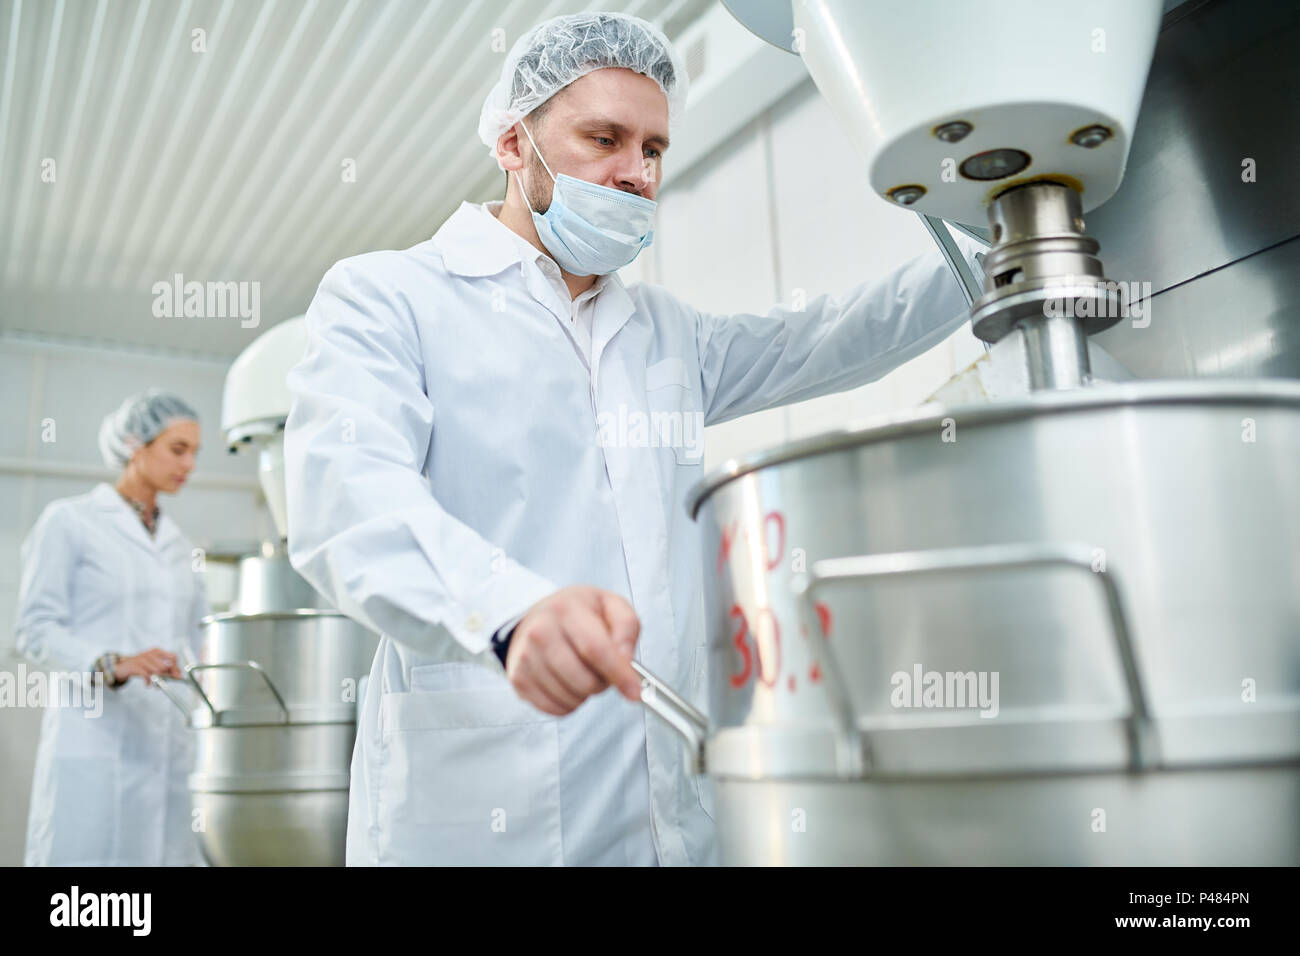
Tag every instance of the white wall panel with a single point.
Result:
(714, 237)
(784, 206)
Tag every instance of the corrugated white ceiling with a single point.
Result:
(284, 136)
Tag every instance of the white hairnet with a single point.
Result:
(139, 420)
(558, 51)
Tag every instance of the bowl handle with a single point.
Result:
(160, 681)
(234, 665)
(663, 701)
(1143, 746)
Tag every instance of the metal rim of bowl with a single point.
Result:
(894, 425)
(235, 784)
(295, 614)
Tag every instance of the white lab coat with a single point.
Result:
(109, 791)
(444, 474)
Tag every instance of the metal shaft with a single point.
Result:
(1044, 278)
(1057, 353)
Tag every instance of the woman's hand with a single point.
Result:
(146, 664)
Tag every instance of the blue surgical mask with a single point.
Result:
(591, 229)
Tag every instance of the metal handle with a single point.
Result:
(160, 681)
(233, 665)
(971, 286)
(674, 710)
(1142, 743)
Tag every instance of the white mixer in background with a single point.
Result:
(280, 675)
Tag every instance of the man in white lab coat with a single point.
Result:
(460, 477)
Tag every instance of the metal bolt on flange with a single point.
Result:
(906, 195)
(953, 132)
(1091, 137)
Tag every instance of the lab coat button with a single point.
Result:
(474, 622)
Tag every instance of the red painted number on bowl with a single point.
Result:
(764, 678)
(739, 642)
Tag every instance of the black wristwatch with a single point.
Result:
(501, 644)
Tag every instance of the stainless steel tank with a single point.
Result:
(1062, 630)
(273, 702)
(268, 582)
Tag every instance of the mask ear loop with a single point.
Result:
(538, 151)
(544, 166)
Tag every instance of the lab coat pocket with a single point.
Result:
(454, 675)
(470, 775)
(676, 420)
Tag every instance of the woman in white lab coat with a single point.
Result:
(109, 589)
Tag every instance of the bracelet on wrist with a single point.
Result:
(107, 665)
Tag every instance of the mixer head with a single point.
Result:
(255, 404)
(1020, 115)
